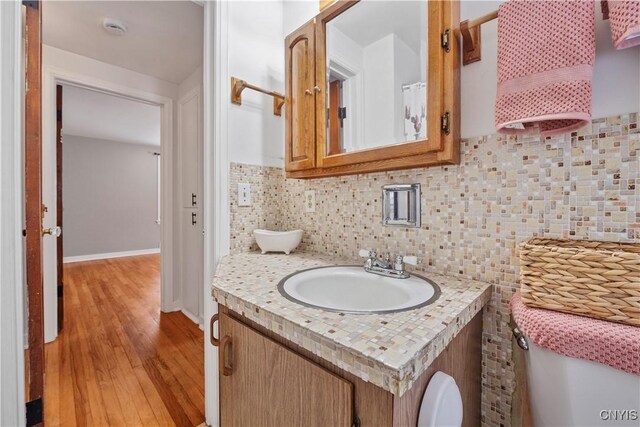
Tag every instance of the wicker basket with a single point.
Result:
(595, 279)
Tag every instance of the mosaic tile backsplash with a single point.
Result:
(506, 189)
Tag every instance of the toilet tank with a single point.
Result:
(565, 391)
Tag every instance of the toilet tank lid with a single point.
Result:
(600, 341)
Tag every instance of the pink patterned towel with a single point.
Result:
(624, 17)
(546, 51)
(601, 341)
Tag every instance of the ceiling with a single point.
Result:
(92, 114)
(164, 39)
(369, 21)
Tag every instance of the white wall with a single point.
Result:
(110, 192)
(616, 81)
(616, 76)
(194, 80)
(256, 54)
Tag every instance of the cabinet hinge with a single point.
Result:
(34, 412)
(33, 4)
(445, 123)
(445, 40)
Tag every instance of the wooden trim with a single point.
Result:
(335, 144)
(450, 152)
(410, 162)
(34, 209)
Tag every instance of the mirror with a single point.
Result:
(376, 59)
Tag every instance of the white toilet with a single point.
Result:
(566, 391)
(441, 403)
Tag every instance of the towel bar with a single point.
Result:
(237, 86)
(471, 39)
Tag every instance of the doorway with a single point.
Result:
(126, 353)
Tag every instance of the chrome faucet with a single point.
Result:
(384, 267)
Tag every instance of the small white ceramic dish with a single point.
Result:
(278, 241)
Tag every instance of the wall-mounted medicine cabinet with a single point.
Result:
(373, 86)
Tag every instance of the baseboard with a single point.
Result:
(108, 255)
(192, 317)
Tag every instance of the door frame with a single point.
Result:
(12, 333)
(51, 77)
(216, 180)
(215, 197)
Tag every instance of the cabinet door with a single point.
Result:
(190, 148)
(192, 260)
(300, 133)
(267, 384)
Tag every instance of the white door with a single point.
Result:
(191, 220)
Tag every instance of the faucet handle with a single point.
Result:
(365, 253)
(412, 260)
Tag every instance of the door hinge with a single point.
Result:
(445, 123)
(33, 4)
(193, 199)
(445, 40)
(34, 412)
(193, 218)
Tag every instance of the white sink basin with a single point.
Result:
(349, 289)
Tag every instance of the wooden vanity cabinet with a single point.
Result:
(268, 381)
(262, 383)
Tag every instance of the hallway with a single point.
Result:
(119, 360)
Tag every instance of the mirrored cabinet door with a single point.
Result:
(386, 87)
(300, 101)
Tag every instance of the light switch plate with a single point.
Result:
(309, 201)
(244, 194)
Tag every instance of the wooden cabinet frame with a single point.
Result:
(443, 78)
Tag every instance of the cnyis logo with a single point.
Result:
(619, 415)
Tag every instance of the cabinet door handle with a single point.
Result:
(214, 341)
(307, 92)
(226, 344)
(316, 89)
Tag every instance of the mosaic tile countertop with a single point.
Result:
(388, 350)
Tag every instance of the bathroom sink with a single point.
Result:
(349, 289)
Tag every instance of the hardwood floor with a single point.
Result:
(118, 360)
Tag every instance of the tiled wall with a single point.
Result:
(506, 189)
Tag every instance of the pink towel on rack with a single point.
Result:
(546, 51)
(624, 17)
(601, 341)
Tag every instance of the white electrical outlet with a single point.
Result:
(244, 194)
(309, 201)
